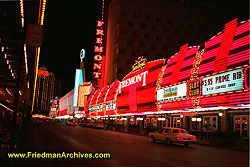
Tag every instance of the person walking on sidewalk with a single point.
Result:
(209, 131)
(204, 132)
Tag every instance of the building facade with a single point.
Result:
(156, 29)
(198, 86)
(44, 91)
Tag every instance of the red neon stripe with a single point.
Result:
(214, 41)
(242, 28)
(175, 74)
(221, 58)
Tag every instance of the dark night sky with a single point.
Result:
(70, 25)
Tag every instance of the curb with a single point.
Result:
(225, 147)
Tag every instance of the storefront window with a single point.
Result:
(155, 123)
(177, 122)
(206, 120)
(211, 121)
(241, 125)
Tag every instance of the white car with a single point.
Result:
(173, 135)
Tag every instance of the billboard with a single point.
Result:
(224, 82)
(172, 93)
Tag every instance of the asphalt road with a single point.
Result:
(125, 149)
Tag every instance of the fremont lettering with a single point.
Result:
(133, 80)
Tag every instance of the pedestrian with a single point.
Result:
(204, 132)
(209, 131)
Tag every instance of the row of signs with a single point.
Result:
(110, 105)
(220, 83)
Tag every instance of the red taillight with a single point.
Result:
(193, 138)
(179, 138)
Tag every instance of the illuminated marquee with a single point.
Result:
(98, 49)
(91, 109)
(110, 105)
(172, 93)
(99, 107)
(225, 82)
(246, 75)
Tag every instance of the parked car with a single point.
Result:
(173, 135)
(72, 123)
(99, 125)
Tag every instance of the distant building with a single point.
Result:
(58, 87)
(44, 91)
(157, 29)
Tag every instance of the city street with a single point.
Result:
(125, 149)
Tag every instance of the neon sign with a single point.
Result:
(194, 88)
(135, 79)
(82, 54)
(98, 57)
(225, 82)
(42, 72)
(78, 81)
(140, 63)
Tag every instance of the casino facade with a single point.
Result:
(197, 86)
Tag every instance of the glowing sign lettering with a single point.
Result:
(225, 82)
(97, 74)
(194, 88)
(97, 66)
(43, 73)
(99, 49)
(99, 40)
(100, 23)
(99, 32)
(98, 57)
(134, 80)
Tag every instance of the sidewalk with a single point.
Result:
(239, 145)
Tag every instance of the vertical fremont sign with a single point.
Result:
(98, 50)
